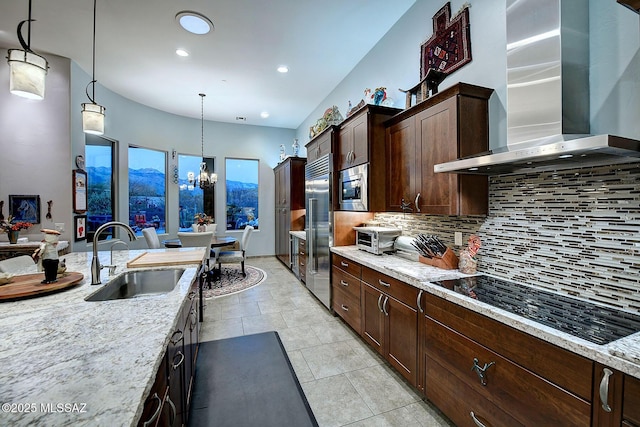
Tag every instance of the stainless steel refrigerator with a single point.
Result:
(318, 225)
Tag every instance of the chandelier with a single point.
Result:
(204, 179)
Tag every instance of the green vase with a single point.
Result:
(13, 236)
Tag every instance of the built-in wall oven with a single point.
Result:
(352, 188)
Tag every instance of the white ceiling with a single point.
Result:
(235, 65)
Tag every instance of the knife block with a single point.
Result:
(448, 261)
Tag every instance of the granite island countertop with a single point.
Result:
(67, 361)
(622, 354)
(301, 234)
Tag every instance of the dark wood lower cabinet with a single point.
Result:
(390, 327)
(170, 397)
(476, 370)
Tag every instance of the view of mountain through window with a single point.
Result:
(242, 193)
(147, 189)
(99, 166)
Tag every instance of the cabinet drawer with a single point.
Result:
(527, 397)
(302, 268)
(390, 286)
(631, 401)
(347, 307)
(347, 265)
(442, 385)
(302, 246)
(346, 283)
(562, 367)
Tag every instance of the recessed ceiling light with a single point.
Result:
(182, 52)
(283, 69)
(194, 22)
(264, 114)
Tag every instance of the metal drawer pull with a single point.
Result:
(152, 420)
(174, 411)
(604, 389)
(384, 306)
(176, 340)
(419, 301)
(344, 264)
(343, 283)
(476, 420)
(481, 371)
(379, 301)
(417, 203)
(177, 365)
(385, 284)
(344, 307)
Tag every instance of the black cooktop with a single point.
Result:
(591, 322)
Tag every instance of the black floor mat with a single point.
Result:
(247, 381)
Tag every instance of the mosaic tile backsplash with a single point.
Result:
(574, 231)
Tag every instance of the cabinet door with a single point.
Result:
(402, 175)
(283, 184)
(402, 338)
(607, 396)
(372, 317)
(353, 142)
(437, 143)
(283, 218)
(631, 402)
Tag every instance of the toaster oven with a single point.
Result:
(376, 240)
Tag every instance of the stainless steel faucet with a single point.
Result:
(112, 266)
(95, 262)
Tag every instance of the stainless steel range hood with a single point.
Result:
(547, 96)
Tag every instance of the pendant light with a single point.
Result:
(93, 113)
(205, 180)
(27, 69)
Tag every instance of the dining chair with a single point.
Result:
(151, 236)
(22, 264)
(198, 240)
(235, 257)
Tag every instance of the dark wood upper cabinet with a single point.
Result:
(447, 126)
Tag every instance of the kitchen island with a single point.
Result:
(622, 354)
(67, 361)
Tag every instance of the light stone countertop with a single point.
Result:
(622, 354)
(98, 358)
(299, 234)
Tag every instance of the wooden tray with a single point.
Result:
(160, 259)
(28, 285)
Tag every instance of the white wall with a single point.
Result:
(131, 123)
(395, 62)
(39, 142)
(35, 154)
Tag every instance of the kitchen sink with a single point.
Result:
(133, 284)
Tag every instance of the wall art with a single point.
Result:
(79, 191)
(25, 208)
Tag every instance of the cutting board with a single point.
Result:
(160, 259)
(28, 285)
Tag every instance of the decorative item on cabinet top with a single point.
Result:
(447, 50)
(330, 117)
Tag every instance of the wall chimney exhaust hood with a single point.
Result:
(547, 96)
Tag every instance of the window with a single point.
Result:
(147, 189)
(242, 193)
(100, 182)
(192, 199)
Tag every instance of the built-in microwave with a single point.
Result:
(352, 187)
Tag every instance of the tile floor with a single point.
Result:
(346, 383)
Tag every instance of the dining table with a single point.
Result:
(217, 243)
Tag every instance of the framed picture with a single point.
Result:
(79, 191)
(25, 208)
(80, 227)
